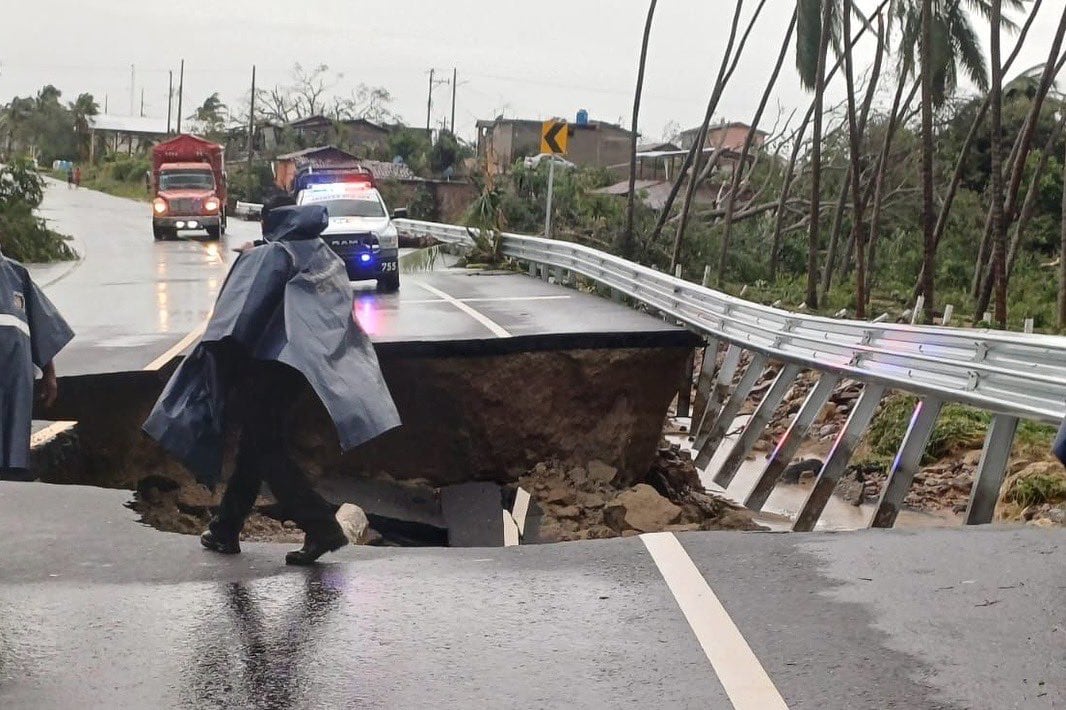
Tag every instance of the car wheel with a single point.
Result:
(389, 284)
(214, 232)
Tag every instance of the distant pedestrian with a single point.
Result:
(77, 176)
(70, 177)
(283, 320)
(31, 334)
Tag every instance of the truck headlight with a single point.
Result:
(211, 204)
(159, 205)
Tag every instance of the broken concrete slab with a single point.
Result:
(472, 514)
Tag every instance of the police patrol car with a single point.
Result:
(360, 229)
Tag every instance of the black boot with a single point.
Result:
(218, 538)
(316, 545)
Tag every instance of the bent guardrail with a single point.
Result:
(1014, 376)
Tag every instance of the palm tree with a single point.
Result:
(741, 163)
(625, 244)
(82, 111)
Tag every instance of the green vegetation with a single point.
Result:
(120, 176)
(959, 428)
(23, 235)
(1037, 487)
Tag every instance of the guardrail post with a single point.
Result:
(991, 470)
(839, 457)
(704, 382)
(533, 269)
(719, 393)
(791, 440)
(684, 391)
(907, 462)
(732, 407)
(757, 424)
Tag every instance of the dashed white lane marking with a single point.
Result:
(740, 672)
(176, 350)
(481, 318)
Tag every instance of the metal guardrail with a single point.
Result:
(1013, 376)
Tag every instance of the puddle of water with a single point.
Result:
(785, 502)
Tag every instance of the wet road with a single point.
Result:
(130, 298)
(98, 611)
(132, 301)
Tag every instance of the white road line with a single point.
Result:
(484, 320)
(506, 299)
(176, 350)
(743, 677)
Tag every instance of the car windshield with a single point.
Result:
(186, 180)
(353, 208)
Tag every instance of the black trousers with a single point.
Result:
(266, 394)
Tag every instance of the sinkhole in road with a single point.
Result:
(579, 430)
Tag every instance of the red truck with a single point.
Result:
(189, 184)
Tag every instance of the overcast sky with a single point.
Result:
(528, 60)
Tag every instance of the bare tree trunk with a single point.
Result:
(856, 166)
(999, 234)
(741, 165)
(1062, 253)
(1031, 194)
(960, 162)
(786, 183)
(929, 251)
(625, 245)
(1010, 199)
(898, 109)
(712, 105)
(814, 233)
(983, 266)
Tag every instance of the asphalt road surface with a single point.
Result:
(134, 303)
(129, 298)
(98, 611)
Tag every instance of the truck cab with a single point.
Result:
(360, 229)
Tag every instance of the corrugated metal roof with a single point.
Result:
(129, 124)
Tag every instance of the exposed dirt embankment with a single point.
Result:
(498, 418)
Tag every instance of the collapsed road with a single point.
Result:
(494, 373)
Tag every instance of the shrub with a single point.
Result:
(25, 237)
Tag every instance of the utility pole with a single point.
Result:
(142, 102)
(133, 88)
(181, 91)
(455, 85)
(170, 99)
(105, 103)
(429, 103)
(433, 83)
(551, 192)
(251, 121)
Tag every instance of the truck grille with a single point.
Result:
(185, 206)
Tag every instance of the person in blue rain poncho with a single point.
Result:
(283, 319)
(31, 334)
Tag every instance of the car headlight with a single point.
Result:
(211, 204)
(159, 205)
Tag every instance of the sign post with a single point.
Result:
(554, 136)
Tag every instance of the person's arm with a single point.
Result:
(49, 385)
